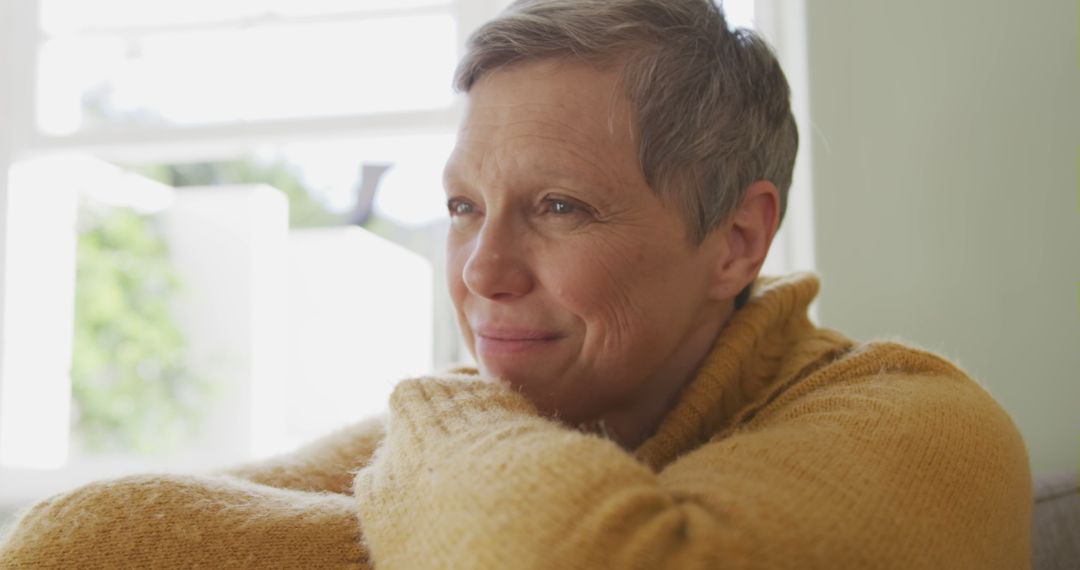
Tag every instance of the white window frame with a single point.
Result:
(783, 24)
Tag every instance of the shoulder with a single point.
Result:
(891, 378)
(908, 425)
(889, 389)
(913, 455)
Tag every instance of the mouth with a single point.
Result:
(515, 334)
(495, 342)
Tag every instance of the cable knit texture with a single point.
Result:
(792, 448)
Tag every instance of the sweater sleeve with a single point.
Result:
(887, 471)
(328, 464)
(176, 521)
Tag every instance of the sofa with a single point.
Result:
(1055, 524)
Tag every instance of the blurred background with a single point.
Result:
(221, 223)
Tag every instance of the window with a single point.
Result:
(306, 97)
(198, 63)
(208, 125)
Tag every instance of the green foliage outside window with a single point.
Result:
(131, 385)
(133, 390)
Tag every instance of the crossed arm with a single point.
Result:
(468, 476)
(326, 465)
(878, 471)
(292, 511)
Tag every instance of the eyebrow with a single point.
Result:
(559, 172)
(597, 190)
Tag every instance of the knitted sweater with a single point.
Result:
(793, 447)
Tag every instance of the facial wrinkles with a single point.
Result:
(535, 122)
(620, 318)
(622, 312)
(526, 131)
(652, 270)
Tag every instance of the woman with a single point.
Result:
(641, 400)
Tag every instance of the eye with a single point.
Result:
(562, 207)
(459, 207)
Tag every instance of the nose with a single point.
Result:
(497, 266)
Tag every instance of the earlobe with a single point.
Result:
(746, 238)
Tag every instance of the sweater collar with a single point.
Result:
(751, 355)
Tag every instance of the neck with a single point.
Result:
(632, 424)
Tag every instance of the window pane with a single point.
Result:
(325, 181)
(739, 13)
(65, 16)
(324, 178)
(409, 193)
(227, 75)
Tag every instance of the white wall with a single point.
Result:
(945, 178)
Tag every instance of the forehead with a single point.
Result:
(569, 90)
(553, 117)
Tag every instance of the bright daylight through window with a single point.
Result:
(213, 211)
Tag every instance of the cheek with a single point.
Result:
(603, 287)
(630, 291)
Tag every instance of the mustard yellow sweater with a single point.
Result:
(792, 448)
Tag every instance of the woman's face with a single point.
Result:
(573, 281)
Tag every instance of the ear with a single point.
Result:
(744, 240)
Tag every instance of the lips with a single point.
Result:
(497, 342)
(501, 333)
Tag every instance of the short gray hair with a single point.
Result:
(711, 104)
